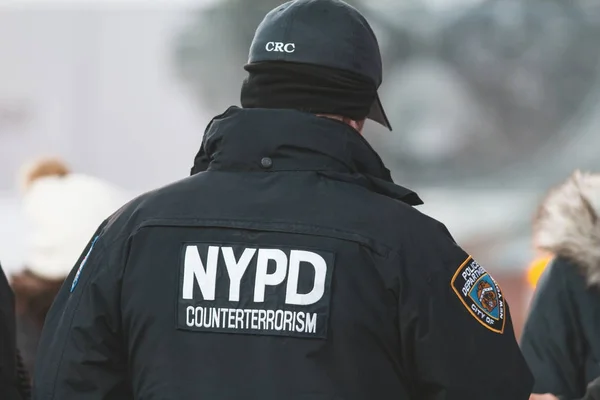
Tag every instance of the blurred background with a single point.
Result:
(492, 102)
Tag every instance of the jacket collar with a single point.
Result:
(239, 140)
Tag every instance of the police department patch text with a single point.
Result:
(480, 294)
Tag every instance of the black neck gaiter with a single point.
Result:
(308, 88)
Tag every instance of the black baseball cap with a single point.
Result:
(328, 33)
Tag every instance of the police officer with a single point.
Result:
(289, 265)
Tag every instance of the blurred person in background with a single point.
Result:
(289, 266)
(63, 210)
(561, 337)
(14, 379)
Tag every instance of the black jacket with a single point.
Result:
(290, 268)
(561, 337)
(14, 382)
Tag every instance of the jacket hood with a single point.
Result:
(295, 141)
(567, 223)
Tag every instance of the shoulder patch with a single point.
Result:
(480, 294)
(87, 255)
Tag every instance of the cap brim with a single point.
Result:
(378, 115)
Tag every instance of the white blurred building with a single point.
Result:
(95, 85)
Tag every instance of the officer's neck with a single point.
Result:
(356, 125)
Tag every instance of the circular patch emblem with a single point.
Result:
(480, 294)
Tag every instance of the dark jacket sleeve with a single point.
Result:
(454, 347)
(80, 355)
(13, 386)
(551, 340)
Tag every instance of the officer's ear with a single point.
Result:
(357, 125)
(361, 125)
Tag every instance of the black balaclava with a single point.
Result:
(308, 88)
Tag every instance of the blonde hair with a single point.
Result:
(40, 168)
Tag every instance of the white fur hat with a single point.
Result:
(64, 211)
